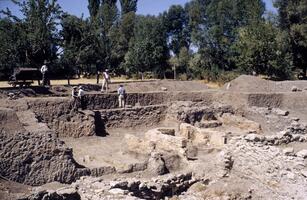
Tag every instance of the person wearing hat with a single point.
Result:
(121, 96)
(81, 97)
(106, 80)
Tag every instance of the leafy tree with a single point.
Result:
(261, 49)
(175, 21)
(12, 46)
(196, 66)
(293, 20)
(108, 18)
(184, 59)
(215, 24)
(128, 6)
(148, 50)
(93, 7)
(73, 41)
(39, 30)
(122, 33)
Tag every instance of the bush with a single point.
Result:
(183, 77)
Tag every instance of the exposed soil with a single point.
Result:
(254, 84)
(176, 139)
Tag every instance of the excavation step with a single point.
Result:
(143, 116)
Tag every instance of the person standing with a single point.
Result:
(121, 96)
(81, 97)
(105, 81)
(74, 95)
(44, 71)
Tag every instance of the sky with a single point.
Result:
(152, 7)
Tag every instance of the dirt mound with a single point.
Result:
(247, 83)
(35, 159)
(9, 121)
(153, 86)
(165, 85)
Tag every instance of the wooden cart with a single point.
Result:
(24, 77)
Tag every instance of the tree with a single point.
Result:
(73, 41)
(108, 19)
(39, 28)
(93, 7)
(215, 24)
(148, 50)
(293, 21)
(13, 45)
(260, 48)
(122, 33)
(175, 21)
(128, 6)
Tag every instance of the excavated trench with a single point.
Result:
(93, 142)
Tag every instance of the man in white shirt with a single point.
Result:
(105, 81)
(81, 97)
(44, 71)
(74, 101)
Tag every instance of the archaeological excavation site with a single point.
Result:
(173, 140)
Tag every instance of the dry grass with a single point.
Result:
(72, 82)
(3, 84)
(212, 85)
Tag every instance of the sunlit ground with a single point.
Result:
(4, 84)
(72, 82)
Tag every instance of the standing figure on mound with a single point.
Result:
(44, 71)
(121, 96)
(106, 80)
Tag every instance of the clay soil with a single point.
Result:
(231, 168)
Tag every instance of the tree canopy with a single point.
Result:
(201, 39)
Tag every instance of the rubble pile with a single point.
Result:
(296, 132)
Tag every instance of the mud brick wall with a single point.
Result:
(133, 117)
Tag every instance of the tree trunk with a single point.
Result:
(175, 75)
(97, 77)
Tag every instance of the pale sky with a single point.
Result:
(152, 7)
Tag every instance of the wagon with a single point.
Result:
(24, 77)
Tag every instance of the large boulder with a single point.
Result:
(194, 134)
(156, 164)
(165, 141)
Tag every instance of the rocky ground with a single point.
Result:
(245, 141)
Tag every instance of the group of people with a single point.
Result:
(78, 95)
(121, 90)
